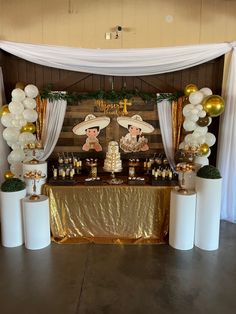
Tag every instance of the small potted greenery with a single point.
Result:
(12, 192)
(207, 226)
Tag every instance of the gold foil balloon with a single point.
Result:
(3, 110)
(203, 121)
(28, 127)
(204, 149)
(20, 85)
(213, 105)
(190, 88)
(8, 175)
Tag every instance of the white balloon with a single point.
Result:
(201, 139)
(194, 111)
(29, 103)
(188, 138)
(210, 139)
(17, 169)
(11, 134)
(6, 119)
(22, 122)
(206, 91)
(16, 123)
(196, 98)
(199, 107)
(19, 116)
(187, 108)
(18, 94)
(189, 125)
(202, 114)
(201, 130)
(30, 115)
(9, 159)
(17, 155)
(9, 143)
(31, 91)
(193, 117)
(15, 146)
(16, 107)
(210, 120)
(181, 145)
(186, 113)
(26, 138)
(208, 154)
(203, 161)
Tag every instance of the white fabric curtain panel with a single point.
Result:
(4, 149)
(55, 114)
(165, 120)
(118, 62)
(226, 160)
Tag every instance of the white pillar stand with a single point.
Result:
(36, 222)
(11, 218)
(207, 228)
(182, 220)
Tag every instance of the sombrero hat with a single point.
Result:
(136, 121)
(90, 121)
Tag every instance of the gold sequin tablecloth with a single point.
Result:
(109, 214)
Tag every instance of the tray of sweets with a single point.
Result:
(53, 181)
(161, 182)
(136, 181)
(94, 181)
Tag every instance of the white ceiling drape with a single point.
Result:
(149, 61)
(118, 62)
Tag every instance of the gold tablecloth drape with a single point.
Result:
(109, 214)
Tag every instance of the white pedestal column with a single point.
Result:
(207, 227)
(36, 222)
(182, 220)
(11, 218)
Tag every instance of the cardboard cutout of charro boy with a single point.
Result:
(91, 127)
(133, 141)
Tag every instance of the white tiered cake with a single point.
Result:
(113, 163)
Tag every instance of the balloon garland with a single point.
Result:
(18, 117)
(198, 114)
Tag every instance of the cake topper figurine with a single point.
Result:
(133, 141)
(91, 127)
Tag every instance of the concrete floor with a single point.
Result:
(111, 279)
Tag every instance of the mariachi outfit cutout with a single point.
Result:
(133, 141)
(91, 126)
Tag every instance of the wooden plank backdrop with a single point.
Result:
(18, 70)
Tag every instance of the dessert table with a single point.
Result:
(109, 213)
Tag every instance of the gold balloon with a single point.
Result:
(8, 175)
(204, 149)
(190, 88)
(203, 121)
(3, 110)
(214, 105)
(20, 85)
(28, 127)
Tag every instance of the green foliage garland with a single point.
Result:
(112, 96)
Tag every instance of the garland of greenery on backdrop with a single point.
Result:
(112, 96)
